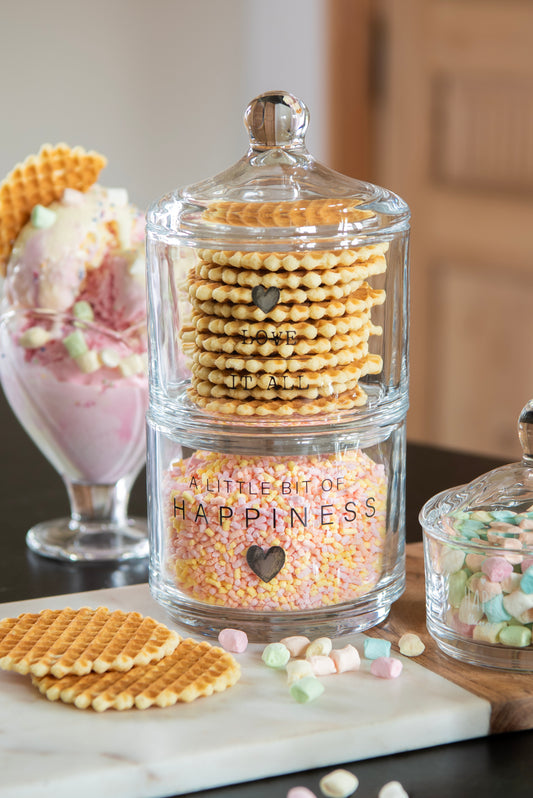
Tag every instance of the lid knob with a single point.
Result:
(525, 430)
(276, 119)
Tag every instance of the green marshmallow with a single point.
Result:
(457, 587)
(470, 528)
(508, 516)
(481, 515)
(519, 636)
(276, 655)
(307, 689)
(42, 217)
(76, 344)
(82, 310)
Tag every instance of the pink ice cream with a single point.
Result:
(73, 337)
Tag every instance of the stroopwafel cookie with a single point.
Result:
(297, 213)
(359, 270)
(292, 261)
(190, 671)
(279, 408)
(78, 641)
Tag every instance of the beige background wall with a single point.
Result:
(159, 86)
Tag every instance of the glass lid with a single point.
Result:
(278, 192)
(499, 502)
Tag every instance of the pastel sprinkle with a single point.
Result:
(276, 655)
(374, 648)
(307, 689)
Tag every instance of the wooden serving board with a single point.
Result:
(510, 694)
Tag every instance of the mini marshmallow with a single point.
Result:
(474, 561)
(526, 583)
(275, 655)
(451, 561)
(346, 659)
(75, 344)
(321, 665)
(300, 792)
(88, 362)
(297, 669)
(517, 602)
(480, 583)
(374, 648)
(496, 568)
(233, 640)
(307, 689)
(109, 357)
(82, 310)
(457, 588)
(488, 632)
(34, 337)
(72, 197)
(339, 783)
(392, 789)
(319, 647)
(470, 610)
(386, 667)
(410, 645)
(519, 636)
(495, 609)
(42, 218)
(511, 582)
(296, 644)
(130, 365)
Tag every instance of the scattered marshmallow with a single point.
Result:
(374, 647)
(297, 669)
(296, 644)
(393, 789)
(320, 647)
(276, 655)
(339, 784)
(346, 659)
(321, 665)
(411, 645)
(233, 640)
(307, 689)
(386, 667)
(300, 792)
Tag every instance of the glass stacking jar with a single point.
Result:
(478, 553)
(278, 337)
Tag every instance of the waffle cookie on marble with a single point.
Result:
(190, 671)
(40, 180)
(68, 641)
(283, 333)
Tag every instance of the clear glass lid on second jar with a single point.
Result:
(279, 288)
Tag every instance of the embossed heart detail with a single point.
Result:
(265, 298)
(265, 564)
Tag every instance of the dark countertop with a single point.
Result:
(30, 491)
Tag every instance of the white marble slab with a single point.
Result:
(251, 731)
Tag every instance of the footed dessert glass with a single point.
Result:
(80, 392)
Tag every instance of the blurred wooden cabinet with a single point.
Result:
(442, 94)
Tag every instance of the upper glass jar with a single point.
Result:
(278, 289)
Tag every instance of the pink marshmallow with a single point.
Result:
(322, 665)
(497, 568)
(526, 562)
(386, 667)
(300, 792)
(346, 659)
(233, 640)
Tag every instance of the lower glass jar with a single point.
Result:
(276, 534)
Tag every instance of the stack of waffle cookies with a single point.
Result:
(101, 659)
(282, 334)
